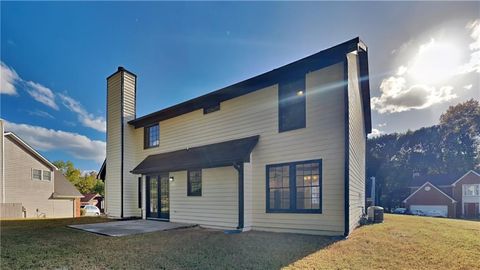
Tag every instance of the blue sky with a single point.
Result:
(56, 57)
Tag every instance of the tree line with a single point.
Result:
(451, 147)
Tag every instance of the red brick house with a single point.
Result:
(455, 197)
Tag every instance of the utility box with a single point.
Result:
(375, 214)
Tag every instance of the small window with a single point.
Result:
(194, 183)
(151, 136)
(471, 190)
(36, 174)
(294, 187)
(291, 105)
(47, 175)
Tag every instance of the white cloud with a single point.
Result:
(402, 70)
(8, 79)
(74, 144)
(382, 125)
(468, 86)
(474, 64)
(41, 94)
(42, 114)
(375, 133)
(87, 119)
(397, 97)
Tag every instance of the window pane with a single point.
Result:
(194, 187)
(47, 175)
(152, 135)
(36, 174)
(292, 105)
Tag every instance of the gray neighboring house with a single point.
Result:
(283, 151)
(30, 185)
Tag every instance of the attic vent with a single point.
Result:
(427, 188)
(211, 108)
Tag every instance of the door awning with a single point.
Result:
(207, 156)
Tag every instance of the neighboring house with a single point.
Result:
(283, 151)
(454, 196)
(92, 199)
(31, 186)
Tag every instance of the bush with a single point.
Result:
(82, 212)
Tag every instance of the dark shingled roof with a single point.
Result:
(63, 188)
(298, 68)
(207, 156)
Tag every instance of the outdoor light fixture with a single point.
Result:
(171, 179)
(300, 93)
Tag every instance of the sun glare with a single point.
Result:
(435, 62)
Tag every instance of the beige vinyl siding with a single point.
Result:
(257, 114)
(63, 208)
(218, 205)
(113, 169)
(130, 182)
(357, 143)
(248, 194)
(19, 186)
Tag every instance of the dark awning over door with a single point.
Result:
(207, 156)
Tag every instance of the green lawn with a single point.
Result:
(402, 242)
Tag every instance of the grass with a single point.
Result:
(49, 244)
(402, 242)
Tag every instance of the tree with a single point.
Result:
(87, 183)
(452, 147)
(461, 135)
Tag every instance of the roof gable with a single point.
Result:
(469, 173)
(431, 185)
(12, 136)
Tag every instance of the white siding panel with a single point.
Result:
(357, 144)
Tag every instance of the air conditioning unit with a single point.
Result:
(375, 214)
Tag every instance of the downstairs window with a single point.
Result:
(294, 187)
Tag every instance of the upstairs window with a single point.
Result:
(471, 190)
(151, 136)
(47, 175)
(291, 105)
(294, 187)
(36, 174)
(194, 185)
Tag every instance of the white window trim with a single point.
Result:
(41, 175)
(464, 188)
(50, 175)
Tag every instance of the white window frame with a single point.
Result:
(41, 175)
(43, 178)
(466, 187)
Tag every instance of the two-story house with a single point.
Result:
(451, 195)
(30, 185)
(283, 151)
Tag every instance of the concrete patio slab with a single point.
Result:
(129, 227)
